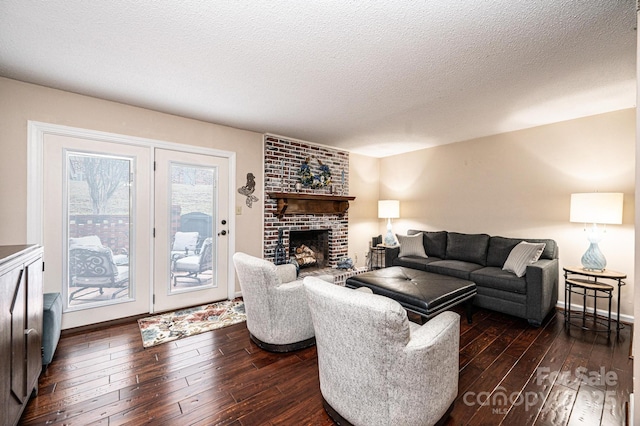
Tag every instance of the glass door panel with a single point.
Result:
(192, 195)
(99, 221)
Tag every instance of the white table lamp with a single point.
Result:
(389, 209)
(596, 208)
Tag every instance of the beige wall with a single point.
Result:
(20, 102)
(364, 178)
(518, 184)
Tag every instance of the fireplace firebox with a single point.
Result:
(310, 248)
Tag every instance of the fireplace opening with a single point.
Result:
(309, 248)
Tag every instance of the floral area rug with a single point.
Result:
(171, 326)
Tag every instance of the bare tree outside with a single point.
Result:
(104, 176)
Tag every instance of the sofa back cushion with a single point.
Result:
(435, 242)
(500, 247)
(467, 247)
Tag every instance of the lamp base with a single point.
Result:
(593, 259)
(389, 238)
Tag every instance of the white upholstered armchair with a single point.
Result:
(278, 317)
(376, 367)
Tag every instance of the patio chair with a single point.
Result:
(183, 243)
(92, 265)
(195, 264)
(197, 222)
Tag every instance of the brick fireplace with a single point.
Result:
(282, 161)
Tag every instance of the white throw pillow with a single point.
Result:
(411, 245)
(522, 255)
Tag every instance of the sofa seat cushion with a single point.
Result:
(494, 277)
(414, 262)
(453, 268)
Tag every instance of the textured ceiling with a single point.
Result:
(374, 77)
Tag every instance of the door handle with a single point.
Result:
(223, 232)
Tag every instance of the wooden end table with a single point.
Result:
(580, 281)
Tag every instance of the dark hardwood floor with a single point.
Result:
(532, 376)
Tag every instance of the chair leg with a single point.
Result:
(190, 275)
(120, 290)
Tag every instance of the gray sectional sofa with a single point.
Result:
(480, 258)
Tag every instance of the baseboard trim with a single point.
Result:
(627, 319)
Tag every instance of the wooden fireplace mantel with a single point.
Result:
(297, 203)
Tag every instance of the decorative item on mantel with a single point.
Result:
(309, 179)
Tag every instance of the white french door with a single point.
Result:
(116, 231)
(191, 229)
(96, 210)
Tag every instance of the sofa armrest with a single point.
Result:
(390, 254)
(542, 289)
(286, 272)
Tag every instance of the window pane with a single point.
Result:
(192, 206)
(99, 212)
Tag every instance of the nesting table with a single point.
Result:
(376, 257)
(594, 284)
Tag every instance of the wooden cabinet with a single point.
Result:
(20, 328)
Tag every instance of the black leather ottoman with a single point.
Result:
(424, 293)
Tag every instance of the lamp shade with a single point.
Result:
(597, 207)
(388, 209)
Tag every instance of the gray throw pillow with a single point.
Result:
(411, 245)
(522, 255)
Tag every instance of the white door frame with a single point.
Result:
(36, 132)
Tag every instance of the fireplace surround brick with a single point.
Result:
(282, 161)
